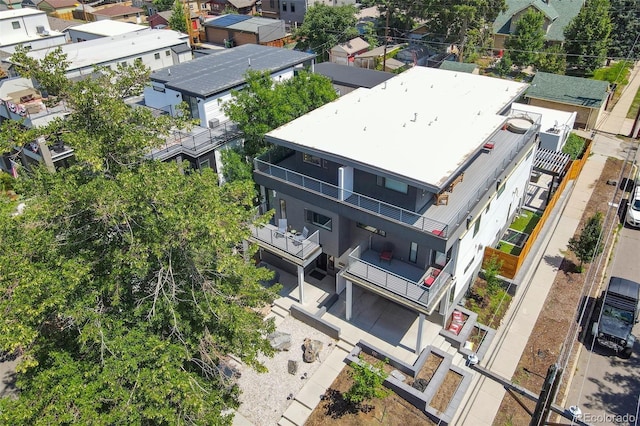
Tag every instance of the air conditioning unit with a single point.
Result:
(213, 123)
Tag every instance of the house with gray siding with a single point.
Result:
(398, 188)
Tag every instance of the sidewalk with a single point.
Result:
(485, 396)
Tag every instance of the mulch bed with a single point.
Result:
(559, 314)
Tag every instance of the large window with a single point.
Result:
(476, 227)
(312, 159)
(284, 6)
(318, 219)
(15, 25)
(413, 252)
(392, 184)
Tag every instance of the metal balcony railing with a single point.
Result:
(402, 286)
(291, 243)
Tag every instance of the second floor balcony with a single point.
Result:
(289, 244)
(404, 282)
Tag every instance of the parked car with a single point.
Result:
(633, 210)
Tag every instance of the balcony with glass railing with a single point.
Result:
(290, 242)
(422, 287)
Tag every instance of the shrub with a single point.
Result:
(367, 382)
(574, 146)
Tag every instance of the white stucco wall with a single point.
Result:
(492, 222)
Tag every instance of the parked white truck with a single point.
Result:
(618, 311)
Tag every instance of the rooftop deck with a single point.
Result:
(197, 141)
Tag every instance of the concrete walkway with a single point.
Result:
(485, 396)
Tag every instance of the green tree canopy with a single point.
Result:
(587, 37)
(325, 26)
(587, 245)
(126, 287)
(552, 59)
(625, 18)
(163, 5)
(178, 19)
(49, 73)
(528, 39)
(265, 104)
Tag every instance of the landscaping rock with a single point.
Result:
(312, 350)
(280, 341)
(420, 384)
(292, 367)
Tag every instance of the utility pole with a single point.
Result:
(547, 395)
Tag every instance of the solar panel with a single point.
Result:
(227, 20)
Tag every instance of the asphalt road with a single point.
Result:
(606, 387)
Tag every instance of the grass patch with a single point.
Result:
(617, 73)
(526, 221)
(635, 106)
(574, 146)
(489, 305)
(509, 248)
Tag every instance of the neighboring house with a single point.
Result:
(557, 15)
(21, 101)
(62, 25)
(99, 29)
(236, 30)
(205, 83)
(374, 57)
(400, 187)
(59, 8)
(345, 53)
(346, 79)
(459, 67)
(119, 12)
(587, 97)
(159, 19)
(555, 126)
(10, 4)
(29, 28)
(269, 8)
(241, 7)
(155, 48)
(293, 11)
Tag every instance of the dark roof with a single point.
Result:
(351, 76)
(559, 12)
(57, 24)
(569, 90)
(225, 69)
(226, 20)
(624, 287)
(118, 10)
(181, 48)
(458, 66)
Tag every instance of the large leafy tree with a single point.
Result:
(587, 244)
(48, 72)
(163, 5)
(552, 59)
(325, 26)
(125, 286)
(625, 18)
(178, 19)
(265, 104)
(587, 37)
(528, 39)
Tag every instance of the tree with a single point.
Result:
(504, 64)
(49, 72)
(264, 104)
(325, 26)
(235, 167)
(367, 382)
(552, 60)
(528, 39)
(587, 245)
(587, 37)
(163, 5)
(178, 19)
(125, 287)
(625, 21)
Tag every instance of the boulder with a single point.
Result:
(312, 350)
(280, 341)
(292, 367)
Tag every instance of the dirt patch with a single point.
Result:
(387, 368)
(446, 391)
(430, 366)
(558, 315)
(391, 411)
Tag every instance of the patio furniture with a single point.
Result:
(387, 253)
(428, 282)
(301, 237)
(282, 228)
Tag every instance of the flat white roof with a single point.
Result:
(109, 49)
(15, 13)
(422, 125)
(549, 117)
(107, 27)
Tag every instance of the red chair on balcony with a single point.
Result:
(387, 253)
(428, 282)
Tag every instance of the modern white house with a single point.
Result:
(399, 187)
(104, 28)
(27, 27)
(205, 83)
(155, 48)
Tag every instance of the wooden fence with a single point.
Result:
(510, 263)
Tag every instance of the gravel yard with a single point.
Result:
(264, 396)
